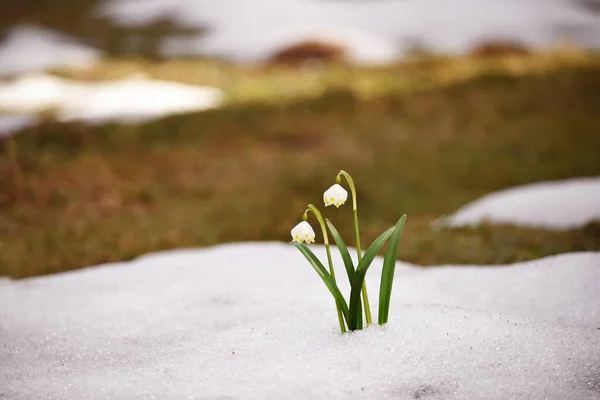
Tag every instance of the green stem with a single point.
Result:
(365, 296)
(319, 217)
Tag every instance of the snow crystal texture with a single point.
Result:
(253, 321)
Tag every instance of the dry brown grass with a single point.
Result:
(499, 48)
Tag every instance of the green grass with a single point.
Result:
(421, 140)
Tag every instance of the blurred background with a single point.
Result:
(132, 126)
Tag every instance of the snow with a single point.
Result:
(35, 92)
(562, 204)
(253, 321)
(373, 32)
(132, 99)
(137, 99)
(29, 48)
(10, 124)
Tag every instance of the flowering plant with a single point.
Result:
(350, 314)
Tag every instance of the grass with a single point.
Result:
(421, 139)
(272, 85)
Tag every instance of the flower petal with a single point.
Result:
(335, 195)
(303, 232)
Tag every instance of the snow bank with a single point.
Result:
(254, 321)
(562, 204)
(132, 99)
(29, 48)
(245, 30)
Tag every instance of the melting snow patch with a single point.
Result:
(132, 99)
(29, 48)
(137, 99)
(35, 92)
(214, 323)
(563, 204)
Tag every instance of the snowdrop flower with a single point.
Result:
(303, 232)
(335, 195)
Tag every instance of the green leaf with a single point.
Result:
(359, 277)
(387, 273)
(329, 282)
(346, 258)
(359, 320)
(343, 250)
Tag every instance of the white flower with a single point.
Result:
(335, 195)
(303, 232)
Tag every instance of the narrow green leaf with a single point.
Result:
(387, 274)
(347, 260)
(359, 320)
(343, 250)
(359, 277)
(327, 279)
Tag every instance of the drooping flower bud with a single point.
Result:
(335, 195)
(303, 232)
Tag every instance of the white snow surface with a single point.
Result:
(563, 204)
(132, 99)
(36, 92)
(30, 48)
(254, 321)
(137, 99)
(374, 32)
